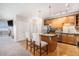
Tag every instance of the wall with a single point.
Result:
(37, 24)
(23, 25)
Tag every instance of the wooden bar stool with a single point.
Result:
(39, 45)
(28, 40)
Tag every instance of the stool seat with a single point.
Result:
(42, 43)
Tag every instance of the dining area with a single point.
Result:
(41, 43)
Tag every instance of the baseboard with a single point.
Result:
(67, 43)
(20, 40)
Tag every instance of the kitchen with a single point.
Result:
(49, 29)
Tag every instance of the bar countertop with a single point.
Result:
(46, 34)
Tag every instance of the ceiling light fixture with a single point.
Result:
(39, 13)
(49, 10)
(67, 5)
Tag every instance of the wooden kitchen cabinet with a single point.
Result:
(77, 20)
(69, 39)
(47, 21)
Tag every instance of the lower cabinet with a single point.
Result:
(69, 39)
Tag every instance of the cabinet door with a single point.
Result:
(46, 22)
(77, 20)
(70, 39)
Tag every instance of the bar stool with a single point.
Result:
(28, 40)
(38, 44)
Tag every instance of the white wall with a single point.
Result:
(23, 25)
(36, 24)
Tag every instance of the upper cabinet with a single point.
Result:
(59, 22)
(77, 20)
(47, 21)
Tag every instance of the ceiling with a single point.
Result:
(10, 10)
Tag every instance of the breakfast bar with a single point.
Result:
(51, 40)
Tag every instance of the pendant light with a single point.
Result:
(49, 10)
(67, 5)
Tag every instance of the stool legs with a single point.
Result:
(47, 49)
(26, 44)
(34, 47)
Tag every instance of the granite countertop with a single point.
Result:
(46, 34)
(71, 33)
(75, 33)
